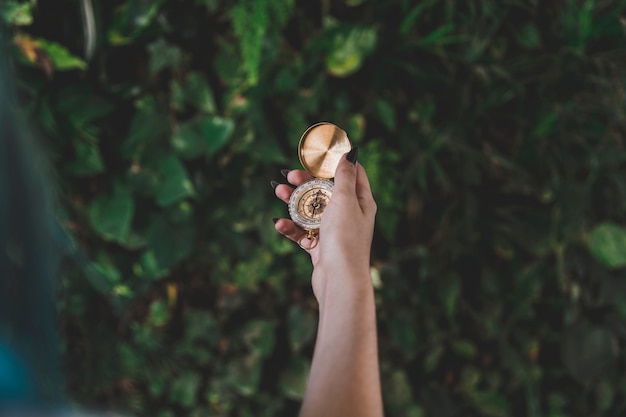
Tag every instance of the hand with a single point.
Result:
(345, 236)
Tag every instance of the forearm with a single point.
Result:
(345, 379)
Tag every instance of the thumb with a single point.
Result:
(345, 175)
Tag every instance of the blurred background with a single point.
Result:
(493, 133)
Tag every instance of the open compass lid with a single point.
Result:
(321, 147)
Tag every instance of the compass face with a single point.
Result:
(308, 202)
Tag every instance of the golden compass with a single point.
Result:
(320, 149)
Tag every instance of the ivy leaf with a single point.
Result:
(259, 335)
(111, 215)
(205, 134)
(16, 13)
(185, 389)
(386, 114)
(607, 243)
(302, 327)
(148, 266)
(163, 55)
(195, 91)
(175, 184)
(62, 59)
(159, 313)
(244, 373)
(187, 139)
(88, 159)
(217, 131)
(149, 124)
(587, 351)
(294, 377)
(349, 49)
(171, 242)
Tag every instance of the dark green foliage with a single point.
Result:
(493, 134)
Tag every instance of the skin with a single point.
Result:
(344, 379)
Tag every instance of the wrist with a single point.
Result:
(341, 281)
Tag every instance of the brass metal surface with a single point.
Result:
(321, 147)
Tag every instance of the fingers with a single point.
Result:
(291, 231)
(295, 177)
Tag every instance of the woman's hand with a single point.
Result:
(344, 379)
(345, 236)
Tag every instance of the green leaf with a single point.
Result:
(81, 105)
(217, 131)
(588, 351)
(109, 272)
(492, 404)
(409, 19)
(62, 59)
(159, 313)
(185, 389)
(431, 360)
(259, 335)
(529, 36)
(398, 391)
(187, 139)
(195, 91)
(170, 242)
(386, 114)
(111, 215)
(349, 49)
(148, 266)
(149, 124)
(252, 21)
(204, 134)
(293, 378)
(302, 327)
(131, 19)
(546, 126)
(175, 184)
(449, 293)
(607, 243)
(243, 374)
(88, 159)
(465, 348)
(403, 333)
(15, 13)
(164, 55)
(438, 36)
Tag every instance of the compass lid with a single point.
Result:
(321, 147)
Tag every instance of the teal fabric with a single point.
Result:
(29, 258)
(15, 383)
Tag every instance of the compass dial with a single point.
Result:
(308, 202)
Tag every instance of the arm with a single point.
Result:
(344, 379)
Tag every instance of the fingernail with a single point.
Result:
(353, 154)
(274, 184)
(275, 219)
(285, 172)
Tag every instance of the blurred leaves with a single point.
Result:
(18, 13)
(607, 243)
(349, 48)
(111, 215)
(493, 138)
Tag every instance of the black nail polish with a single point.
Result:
(274, 184)
(275, 219)
(353, 154)
(285, 172)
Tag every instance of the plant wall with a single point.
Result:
(493, 135)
